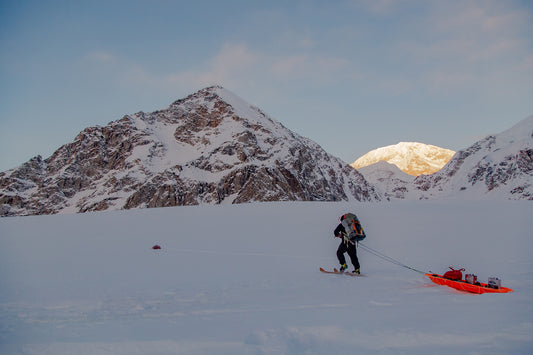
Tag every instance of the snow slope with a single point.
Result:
(389, 180)
(244, 279)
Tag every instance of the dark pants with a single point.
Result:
(352, 252)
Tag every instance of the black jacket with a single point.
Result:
(340, 229)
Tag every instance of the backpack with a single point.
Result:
(353, 227)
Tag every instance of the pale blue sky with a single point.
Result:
(350, 75)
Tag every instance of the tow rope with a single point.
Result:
(387, 258)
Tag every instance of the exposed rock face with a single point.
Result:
(410, 157)
(208, 148)
(499, 166)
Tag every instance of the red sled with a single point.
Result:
(470, 285)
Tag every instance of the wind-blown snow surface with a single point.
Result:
(244, 279)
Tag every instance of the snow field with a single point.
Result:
(244, 279)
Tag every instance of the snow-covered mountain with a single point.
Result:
(208, 148)
(411, 157)
(390, 181)
(213, 148)
(499, 166)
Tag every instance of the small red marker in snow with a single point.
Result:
(155, 247)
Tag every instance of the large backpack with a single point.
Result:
(353, 227)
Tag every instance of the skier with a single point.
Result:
(350, 231)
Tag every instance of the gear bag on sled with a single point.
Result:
(353, 227)
(454, 274)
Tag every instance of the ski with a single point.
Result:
(335, 271)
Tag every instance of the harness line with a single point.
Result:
(386, 257)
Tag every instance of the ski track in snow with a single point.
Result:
(244, 279)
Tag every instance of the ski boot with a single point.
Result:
(343, 267)
(356, 271)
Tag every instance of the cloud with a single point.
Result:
(488, 17)
(230, 65)
(379, 7)
(306, 43)
(236, 65)
(318, 69)
(467, 45)
(479, 30)
(438, 48)
(100, 57)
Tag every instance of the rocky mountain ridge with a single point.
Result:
(497, 167)
(208, 148)
(212, 147)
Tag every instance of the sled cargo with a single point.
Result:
(462, 285)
